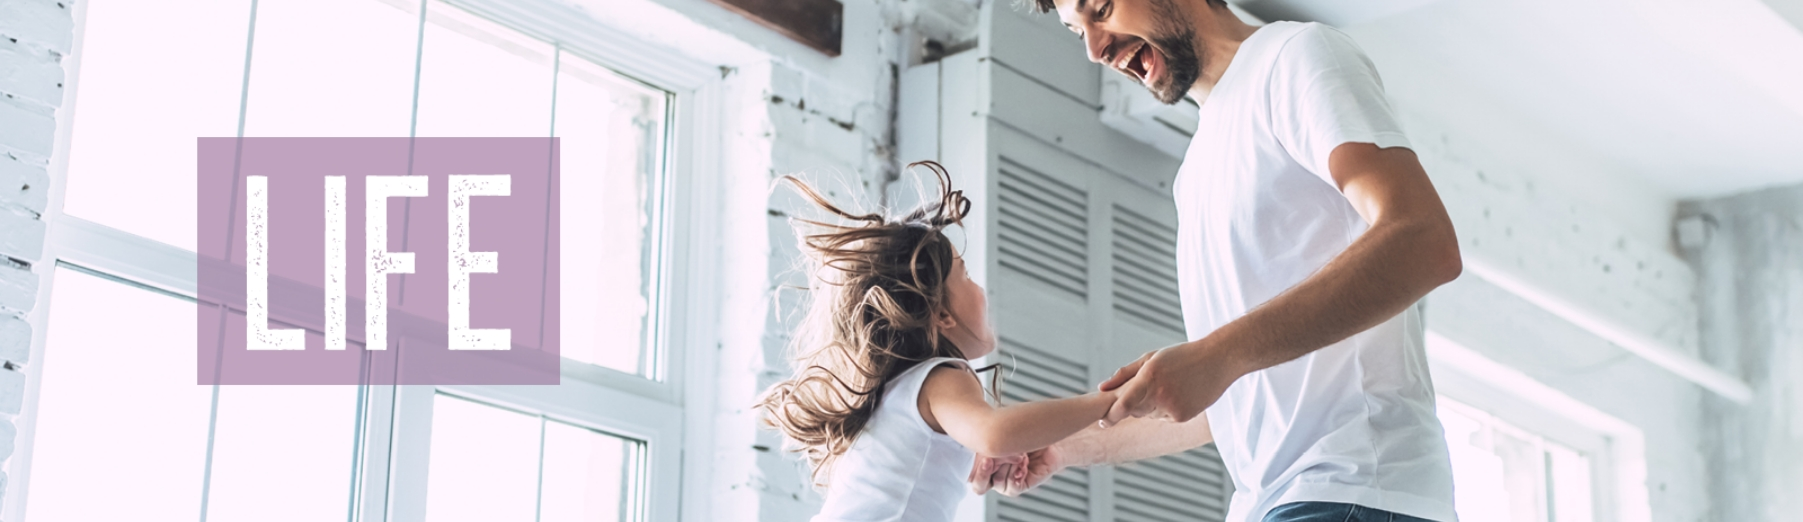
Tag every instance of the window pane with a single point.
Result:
(612, 149)
(483, 464)
(356, 82)
(588, 475)
(1524, 473)
(1571, 485)
(478, 78)
(1480, 493)
(99, 454)
(283, 453)
(145, 93)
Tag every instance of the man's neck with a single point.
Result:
(1219, 32)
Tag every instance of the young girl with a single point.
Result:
(884, 402)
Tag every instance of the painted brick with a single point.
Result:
(30, 74)
(46, 23)
(8, 434)
(18, 288)
(15, 340)
(21, 236)
(12, 392)
(26, 132)
(24, 184)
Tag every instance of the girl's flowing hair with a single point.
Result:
(876, 288)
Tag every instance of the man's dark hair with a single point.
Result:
(1047, 6)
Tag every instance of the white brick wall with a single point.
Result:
(35, 35)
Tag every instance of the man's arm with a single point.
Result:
(1135, 439)
(1408, 250)
(1132, 439)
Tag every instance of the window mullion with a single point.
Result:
(538, 510)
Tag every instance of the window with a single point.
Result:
(491, 463)
(1524, 451)
(1504, 473)
(120, 329)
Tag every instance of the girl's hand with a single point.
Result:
(995, 472)
(1039, 467)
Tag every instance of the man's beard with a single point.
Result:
(1182, 68)
(1177, 42)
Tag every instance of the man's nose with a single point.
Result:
(1096, 43)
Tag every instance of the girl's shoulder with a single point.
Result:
(917, 375)
(927, 366)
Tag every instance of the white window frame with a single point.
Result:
(1616, 448)
(648, 410)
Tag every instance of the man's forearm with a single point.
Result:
(1378, 276)
(1131, 440)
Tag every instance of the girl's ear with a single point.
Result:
(945, 321)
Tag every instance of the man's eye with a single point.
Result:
(1107, 9)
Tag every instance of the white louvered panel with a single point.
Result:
(1042, 228)
(1041, 252)
(1030, 374)
(1189, 486)
(1145, 271)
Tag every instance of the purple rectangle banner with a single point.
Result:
(461, 250)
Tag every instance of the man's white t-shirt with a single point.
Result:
(1258, 212)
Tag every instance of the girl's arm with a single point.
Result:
(951, 402)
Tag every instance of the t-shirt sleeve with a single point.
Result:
(1325, 93)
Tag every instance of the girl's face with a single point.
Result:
(967, 326)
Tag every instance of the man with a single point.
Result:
(1307, 232)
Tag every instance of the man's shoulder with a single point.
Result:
(1312, 42)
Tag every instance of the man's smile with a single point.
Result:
(1143, 62)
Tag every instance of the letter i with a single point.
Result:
(335, 264)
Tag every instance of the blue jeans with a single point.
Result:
(1334, 512)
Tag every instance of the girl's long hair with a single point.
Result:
(876, 286)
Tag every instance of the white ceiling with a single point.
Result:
(1694, 98)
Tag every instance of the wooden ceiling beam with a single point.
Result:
(819, 24)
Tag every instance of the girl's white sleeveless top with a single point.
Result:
(899, 469)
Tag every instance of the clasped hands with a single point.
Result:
(1173, 384)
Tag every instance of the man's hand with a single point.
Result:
(1015, 475)
(1174, 384)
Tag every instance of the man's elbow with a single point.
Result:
(1447, 262)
